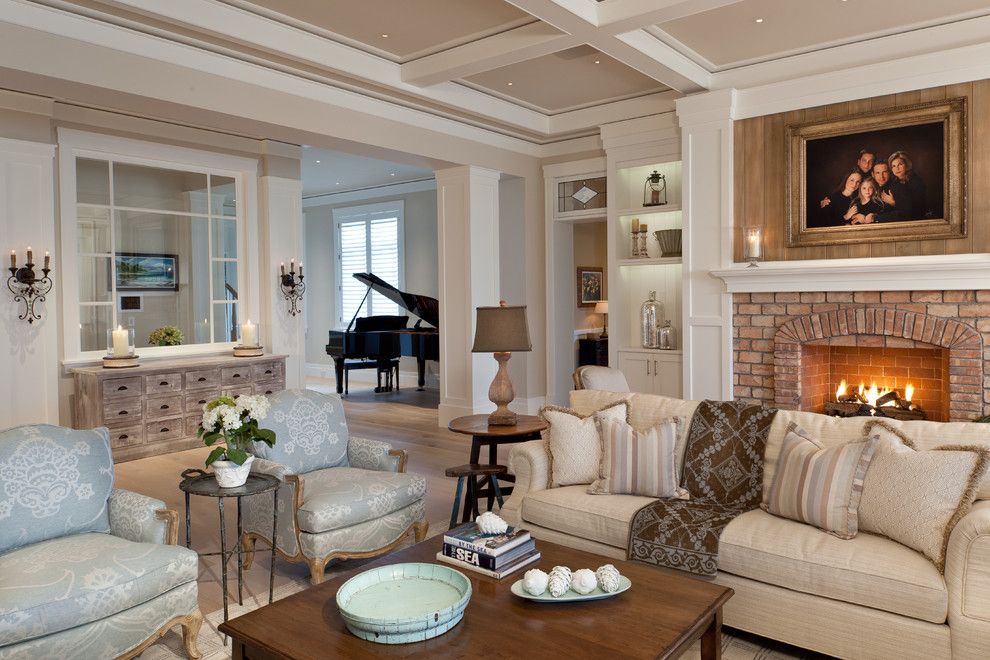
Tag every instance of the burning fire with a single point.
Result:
(872, 394)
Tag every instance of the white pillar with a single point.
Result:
(706, 149)
(468, 237)
(281, 239)
(29, 352)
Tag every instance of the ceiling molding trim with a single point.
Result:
(371, 192)
(575, 146)
(642, 106)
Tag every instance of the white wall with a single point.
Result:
(421, 275)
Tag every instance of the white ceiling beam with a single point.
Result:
(517, 45)
(691, 77)
(617, 17)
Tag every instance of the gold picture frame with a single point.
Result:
(817, 152)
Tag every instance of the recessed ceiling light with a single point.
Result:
(317, 162)
(510, 84)
(598, 61)
(337, 184)
(391, 173)
(384, 36)
(759, 20)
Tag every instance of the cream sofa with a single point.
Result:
(868, 597)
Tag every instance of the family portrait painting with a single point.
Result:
(897, 175)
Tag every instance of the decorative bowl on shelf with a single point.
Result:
(403, 603)
(670, 242)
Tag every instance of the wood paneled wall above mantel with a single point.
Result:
(760, 171)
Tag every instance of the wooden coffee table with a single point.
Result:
(661, 616)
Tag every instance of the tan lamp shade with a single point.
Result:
(501, 329)
(601, 307)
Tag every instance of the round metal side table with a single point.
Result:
(197, 482)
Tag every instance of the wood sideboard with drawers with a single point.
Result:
(156, 407)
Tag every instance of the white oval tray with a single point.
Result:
(570, 596)
(403, 603)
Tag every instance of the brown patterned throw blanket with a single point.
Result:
(723, 471)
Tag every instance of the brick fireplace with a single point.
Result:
(792, 350)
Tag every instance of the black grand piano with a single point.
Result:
(384, 338)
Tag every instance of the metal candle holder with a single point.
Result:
(26, 287)
(292, 286)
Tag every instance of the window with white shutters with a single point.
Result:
(368, 240)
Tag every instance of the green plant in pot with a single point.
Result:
(167, 335)
(235, 424)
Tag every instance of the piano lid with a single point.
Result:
(424, 307)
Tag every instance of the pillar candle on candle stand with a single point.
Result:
(249, 334)
(121, 345)
(753, 246)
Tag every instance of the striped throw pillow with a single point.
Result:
(818, 486)
(638, 462)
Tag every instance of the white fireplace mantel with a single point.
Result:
(948, 272)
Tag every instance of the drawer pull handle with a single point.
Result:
(164, 406)
(236, 376)
(268, 391)
(202, 402)
(201, 379)
(122, 412)
(163, 383)
(268, 371)
(121, 388)
(164, 429)
(122, 437)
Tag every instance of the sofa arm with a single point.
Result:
(142, 519)
(530, 463)
(375, 455)
(967, 576)
(271, 468)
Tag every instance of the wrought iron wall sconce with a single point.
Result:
(26, 286)
(292, 286)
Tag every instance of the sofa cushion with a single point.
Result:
(342, 496)
(61, 583)
(572, 510)
(574, 442)
(310, 431)
(868, 570)
(54, 481)
(638, 462)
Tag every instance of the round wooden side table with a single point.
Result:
(527, 427)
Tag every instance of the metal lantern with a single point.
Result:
(655, 190)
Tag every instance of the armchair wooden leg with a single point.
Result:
(317, 567)
(190, 633)
(247, 541)
(420, 528)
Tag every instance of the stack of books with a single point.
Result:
(495, 556)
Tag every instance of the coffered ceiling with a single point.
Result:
(545, 71)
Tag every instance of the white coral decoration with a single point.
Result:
(535, 581)
(559, 582)
(583, 581)
(608, 578)
(490, 523)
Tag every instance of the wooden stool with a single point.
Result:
(474, 474)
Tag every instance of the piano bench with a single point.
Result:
(389, 367)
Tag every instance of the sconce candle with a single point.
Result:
(30, 256)
(13, 259)
(48, 259)
(292, 286)
(282, 266)
(26, 286)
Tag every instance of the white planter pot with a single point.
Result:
(230, 474)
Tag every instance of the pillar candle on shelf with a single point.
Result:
(635, 225)
(249, 334)
(121, 346)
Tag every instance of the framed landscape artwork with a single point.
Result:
(897, 174)
(590, 285)
(146, 272)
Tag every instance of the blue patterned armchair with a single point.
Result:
(86, 570)
(341, 498)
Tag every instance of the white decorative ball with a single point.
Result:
(535, 581)
(584, 581)
(558, 584)
(608, 578)
(491, 524)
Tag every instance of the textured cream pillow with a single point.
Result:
(573, 442)
(639, 462)
(819, 486)
(917, 497)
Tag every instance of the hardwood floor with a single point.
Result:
(407, 419)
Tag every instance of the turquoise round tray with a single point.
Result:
(403, 603)
(570, 596)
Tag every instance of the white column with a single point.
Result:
(29, 352)
(706, 148)
(281, 239)
(468, 236)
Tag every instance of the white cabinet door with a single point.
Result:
(667, 379)
(638, 370)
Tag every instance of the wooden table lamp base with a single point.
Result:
(501, 394)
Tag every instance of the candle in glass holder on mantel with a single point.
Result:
(249, 334)
(121, 345)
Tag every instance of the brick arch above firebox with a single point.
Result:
(882, 327)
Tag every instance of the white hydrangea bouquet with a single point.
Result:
(235, 422)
